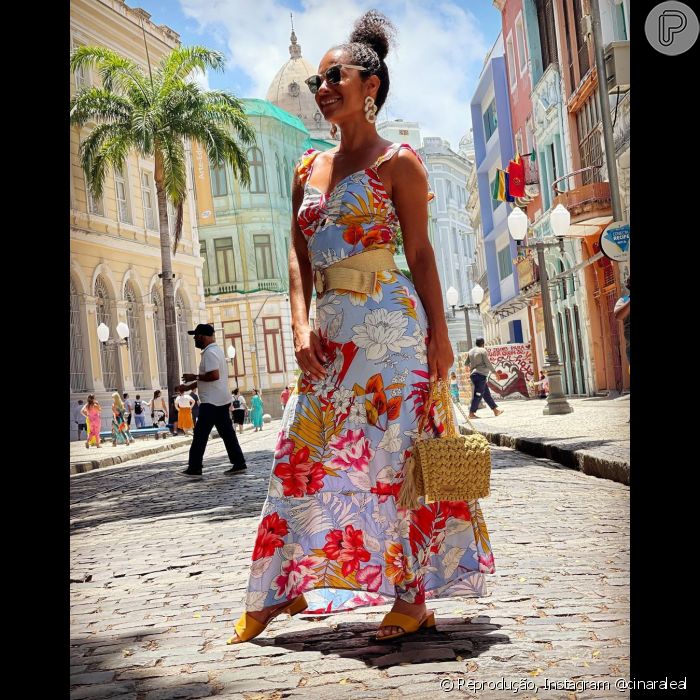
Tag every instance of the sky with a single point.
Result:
(434, 66)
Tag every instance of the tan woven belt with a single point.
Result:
(358, 273)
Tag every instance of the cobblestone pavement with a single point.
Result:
(159, 569)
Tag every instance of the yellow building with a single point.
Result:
(115, 245)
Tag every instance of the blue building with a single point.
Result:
(493, 150)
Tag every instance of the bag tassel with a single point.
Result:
(408, 498)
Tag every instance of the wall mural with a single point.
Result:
(514, 373)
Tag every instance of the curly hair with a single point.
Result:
(368, 46)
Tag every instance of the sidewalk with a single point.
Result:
(594, 438)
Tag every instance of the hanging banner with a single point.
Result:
(615, 241)
(202, 185)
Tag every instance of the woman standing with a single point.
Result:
(93, 419)
(238, 409)
(256, 411)
(120, 428)
(331, 527)
(454, 387)
(184, 404)
(159, 409)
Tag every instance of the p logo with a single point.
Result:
(672, 28)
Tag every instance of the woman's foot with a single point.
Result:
(416, 611)
(262, 616)
(473, 415)
(497, 411)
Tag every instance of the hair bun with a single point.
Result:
(375, 30)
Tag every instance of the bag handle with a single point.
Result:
(440, 390)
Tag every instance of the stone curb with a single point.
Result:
(82, 467)
(583, 461)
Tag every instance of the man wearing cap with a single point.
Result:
(214, 402)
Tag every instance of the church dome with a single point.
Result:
(289, 92)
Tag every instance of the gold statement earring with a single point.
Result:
(370, 109)
(334, 131)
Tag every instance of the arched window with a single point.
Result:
(280, 179)
(159, 331)
(134, 313)
(78, 381)
(107, 352)
(257, 171)
(287, 178)
(185, 341)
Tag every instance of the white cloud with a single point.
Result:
(434, 68)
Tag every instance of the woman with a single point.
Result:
(120, 428)
(454, 387)
(184, 404)
(238, 409)
(256, 411)
(330, 527)
(159, 409)
(93, 419)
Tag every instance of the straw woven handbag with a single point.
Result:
(450, 468)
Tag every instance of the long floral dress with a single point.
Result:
(330, 527)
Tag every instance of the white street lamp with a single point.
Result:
(477, 294)
(231, 352)
(452, 296)
(560, 220)
(122, 331)
(102, 333)
(517, 224)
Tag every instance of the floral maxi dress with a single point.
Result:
(330, 527)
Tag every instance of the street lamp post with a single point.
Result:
(517, 225)
(452, 296)
(122, 332)
(231, 352)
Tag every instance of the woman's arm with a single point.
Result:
(307, 346)
(409, 188)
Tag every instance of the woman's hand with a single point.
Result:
(309, 353)
(440, 357)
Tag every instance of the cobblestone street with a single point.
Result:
(159, 568)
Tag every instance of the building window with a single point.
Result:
(272, 328)
(512, 70)
(520, 41)
(95, 206)
(257, 171)
(149, 212)
(205, 263)
(590, 145)
(122, 191)
(548, 39)
(133, 320)
(505, 264)
(287, 178)
(280, 178)
(78, 380)
(233, 336)
(490, 120)
(218, 181)
(82, 76)
(263, 257)
(225, 263)
(449, 190)
(107, 352)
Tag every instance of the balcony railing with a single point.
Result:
(271, 285)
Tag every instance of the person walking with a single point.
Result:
(128, 409)
(140, 406)
(79, 418)
(379, 341)
(159, 409)
(215, 401)
(120, 428)
(284, 396)
(622, 313)
(256, 411)
(542, 386)
(478, 360)
(238, 409)
(93, 421)
(184, 404)
(454, 387)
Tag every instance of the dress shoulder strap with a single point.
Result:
(393, 150)
(305, 164)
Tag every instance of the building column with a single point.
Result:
(93, 363)
(123, 359)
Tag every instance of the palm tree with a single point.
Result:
(154, 114)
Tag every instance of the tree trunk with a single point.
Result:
(171, 358)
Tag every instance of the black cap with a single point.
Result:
(202, 329)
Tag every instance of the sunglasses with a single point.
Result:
(331, 76)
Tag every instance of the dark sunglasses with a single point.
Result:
(332, 76)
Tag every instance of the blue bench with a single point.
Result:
(158, 432)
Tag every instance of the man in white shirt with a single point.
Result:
(214, 402)
(79, 418)
(128, 409)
